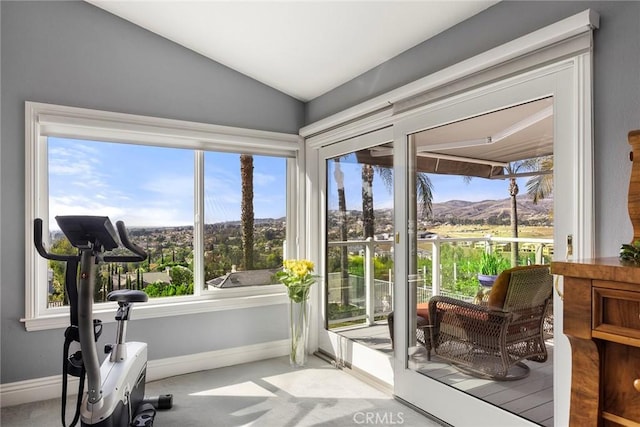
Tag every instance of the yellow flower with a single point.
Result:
(298, 267)
(297, 276)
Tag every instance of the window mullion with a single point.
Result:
(198, 223)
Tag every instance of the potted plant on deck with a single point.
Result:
(491, 265)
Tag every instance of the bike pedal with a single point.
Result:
(144, 416)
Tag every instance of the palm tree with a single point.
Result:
(513, 194)
(538, 187)
(342, 221)
(541, 186)
(423, 187)
(424, 190)
(247, 218)
(367, 200)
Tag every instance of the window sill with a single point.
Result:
(217, 300)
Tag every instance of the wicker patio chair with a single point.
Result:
(491, 339)
(422, 321)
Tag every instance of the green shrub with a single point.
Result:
(493, 264)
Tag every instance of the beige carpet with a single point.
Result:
(265, 393)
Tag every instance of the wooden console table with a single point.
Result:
(602, 322)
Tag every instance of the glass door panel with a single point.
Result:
(358, 262)
(359, 256)
(499, 141)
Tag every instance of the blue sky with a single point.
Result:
(151, 186)
(445, 188)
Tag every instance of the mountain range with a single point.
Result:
(540, 213)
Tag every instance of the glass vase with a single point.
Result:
(299, 313)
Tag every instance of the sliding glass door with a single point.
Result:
(389, 240)
(357, 263)
(503, 133)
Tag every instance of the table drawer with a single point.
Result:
(616, 312)
(621, 388)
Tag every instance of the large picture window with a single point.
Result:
(209, 204)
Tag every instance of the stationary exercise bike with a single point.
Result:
(115, 390)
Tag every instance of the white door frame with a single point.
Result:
(573, 214)
(566, 43)
(346, 352)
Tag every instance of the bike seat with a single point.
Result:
(127, 295)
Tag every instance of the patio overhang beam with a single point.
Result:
(436, 163)
(523, 174)
(464, 159)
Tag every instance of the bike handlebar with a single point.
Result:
(37, 240)
(139, 254)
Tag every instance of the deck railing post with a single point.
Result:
(390, 288)
(539, 253)
(370, 301)
(435, 266)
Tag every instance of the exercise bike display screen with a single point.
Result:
(84, 231)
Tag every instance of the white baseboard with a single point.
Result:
(46, 388)
(164, 368)
(34, 390)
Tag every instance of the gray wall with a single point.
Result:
(616, 87)
(72, 53)
(75, 54)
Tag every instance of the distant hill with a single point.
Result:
(461, 210)
(494, 212)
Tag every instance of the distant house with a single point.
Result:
(153, 277)
(427, 235)
(237, 279)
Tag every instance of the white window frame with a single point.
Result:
(48, 120)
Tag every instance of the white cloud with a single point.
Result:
(74, 205)
(97, 178)
(263, 180)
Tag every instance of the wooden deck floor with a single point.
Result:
(530, 397)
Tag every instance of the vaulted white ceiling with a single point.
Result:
(302, 48)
